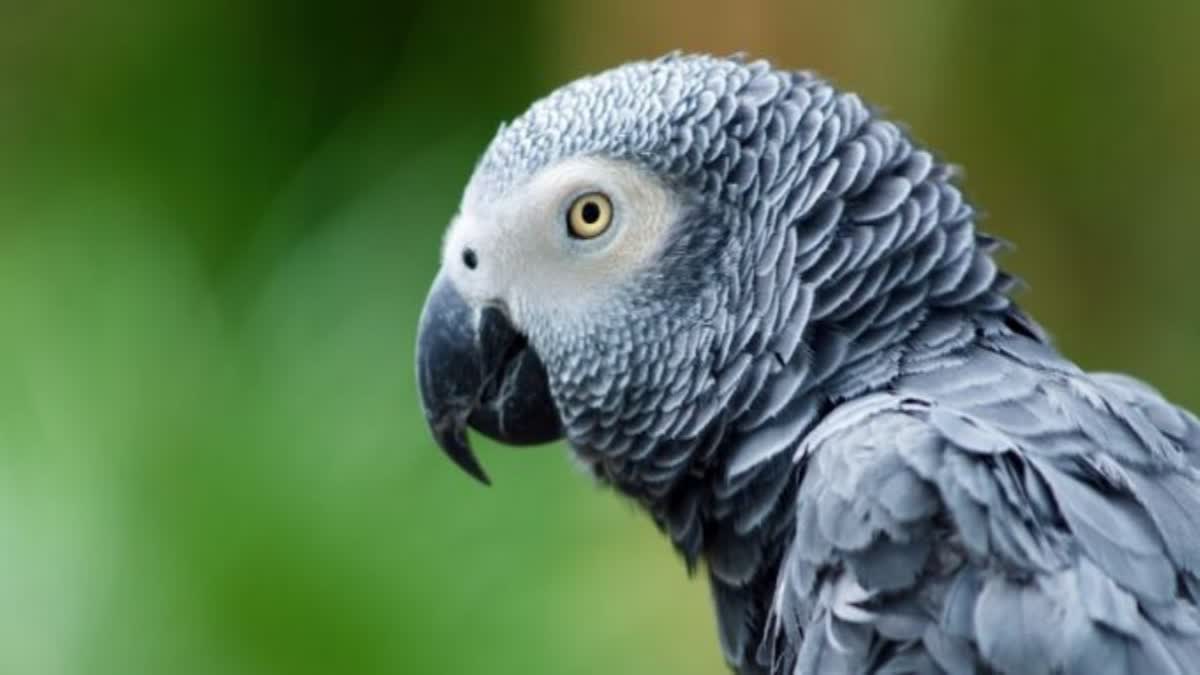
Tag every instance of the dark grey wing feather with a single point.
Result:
(997, 509)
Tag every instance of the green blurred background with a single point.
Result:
(218, 220)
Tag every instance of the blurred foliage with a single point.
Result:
(217, 224)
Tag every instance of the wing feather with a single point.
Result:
(997, 509)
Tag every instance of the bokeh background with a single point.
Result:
(218, 219)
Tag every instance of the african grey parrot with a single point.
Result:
(765, 314)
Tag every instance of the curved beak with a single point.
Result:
(474, 369)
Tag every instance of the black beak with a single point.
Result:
(474, 369)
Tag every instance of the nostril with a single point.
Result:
(470, 259)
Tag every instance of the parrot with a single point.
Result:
(759, 310)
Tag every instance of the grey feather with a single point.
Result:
(1117, 535)
(1087, 557)
(1010, 618)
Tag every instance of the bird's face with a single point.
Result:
(539, 275)
(610, 274)
(560, 248)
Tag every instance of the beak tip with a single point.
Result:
(452, 438)
(475, 470)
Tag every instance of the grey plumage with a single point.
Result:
(822, 389)
(1039, 546)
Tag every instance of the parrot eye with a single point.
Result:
(589, 216)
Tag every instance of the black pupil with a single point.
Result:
(590, 212)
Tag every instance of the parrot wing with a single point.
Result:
(997, 508)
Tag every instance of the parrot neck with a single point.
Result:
(730, 500)
(726, 489)
(745, 515)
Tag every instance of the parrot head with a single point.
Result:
(580, 279)
(657, 261)
(551, 291)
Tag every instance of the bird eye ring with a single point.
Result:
(589, 216)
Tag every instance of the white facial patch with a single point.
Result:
(524, 255)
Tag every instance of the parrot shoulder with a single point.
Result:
(996, 508)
